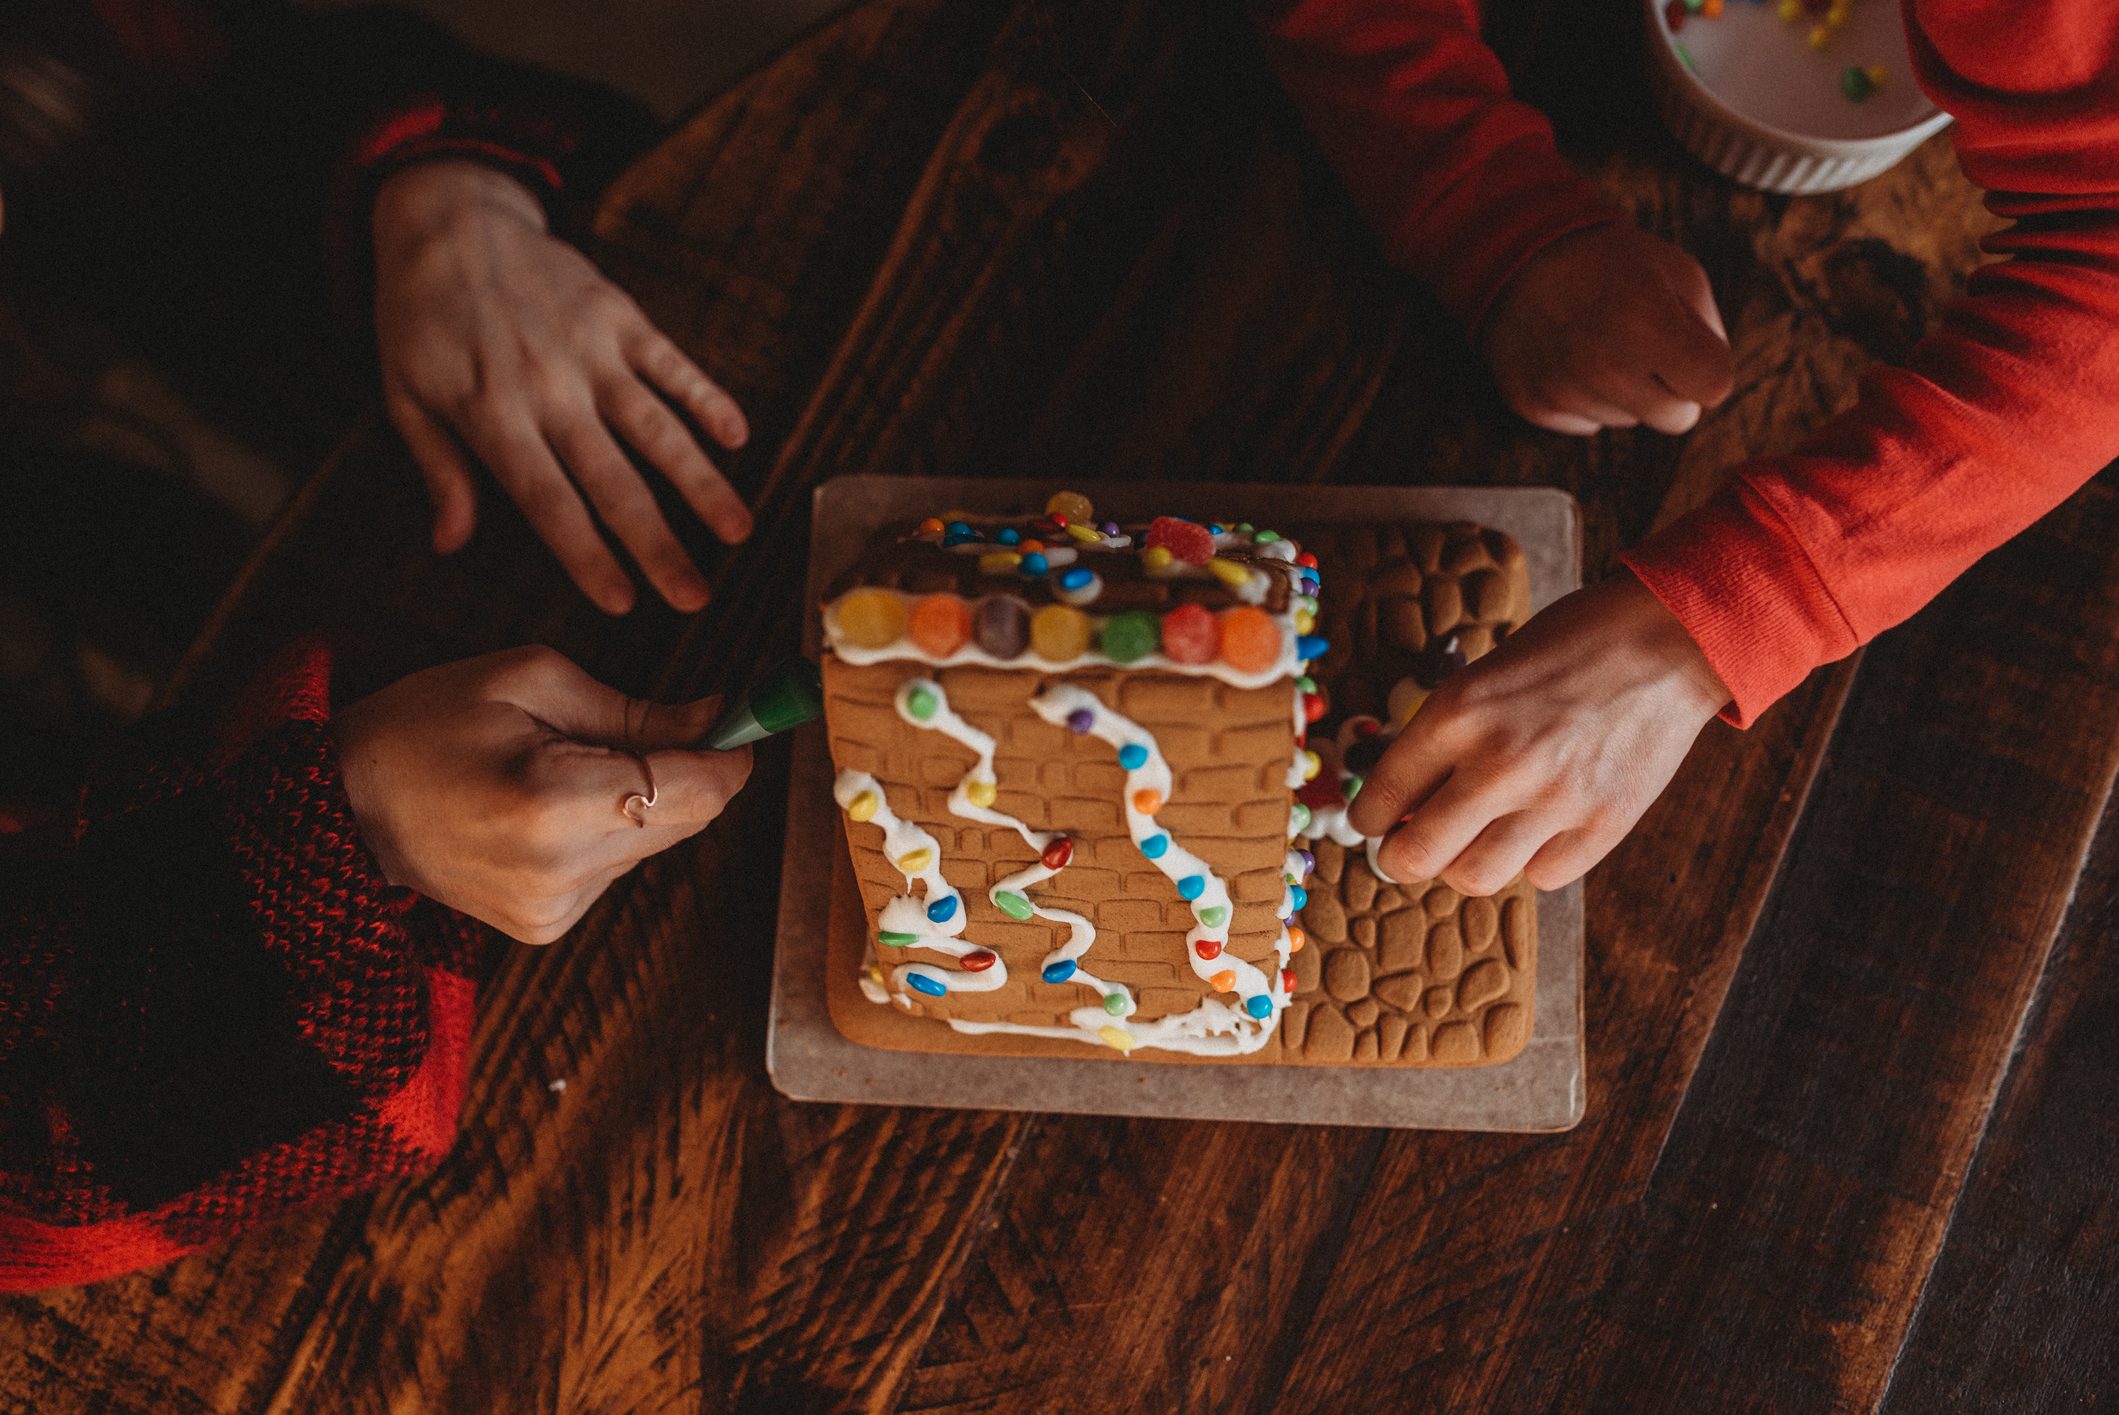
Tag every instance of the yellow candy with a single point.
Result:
(1311, 766)
(872, 619)
(1405, 699)
(999, 562)
(913, 861)
(1305, 622)
(980, 794)
(1087, 535)
(1820, 37)
(862, 807)
(1117, 1038)
(1228, 572)
(1156, 559)
(1060, 632)
(1071, 504)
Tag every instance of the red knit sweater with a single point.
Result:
(1993, 420)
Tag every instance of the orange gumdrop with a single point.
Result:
(940, 624)
(1250, 641)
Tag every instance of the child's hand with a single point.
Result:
(500, 785)
(503, 345)
(1609, 328)
(1539, 757)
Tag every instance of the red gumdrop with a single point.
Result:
(1058, 853)
(1191, 634)
(1186, 540)
(1208, 949)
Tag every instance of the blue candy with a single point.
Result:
(1009, 536)
(1192, 886)
(943, 909)
(957, 528)
(1133, 756)
(1299, 896)
(1035, 564)
(920, 982)
(1077, 578)
(1260, 1006)
(1155, 846)
(1312, 646)
(1058, 972)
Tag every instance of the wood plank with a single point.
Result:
(2017, 1313)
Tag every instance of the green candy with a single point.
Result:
(1214, 915)
(1014, 905)
(1131, 636)
(1306, 683)
(1300, 817)
(897, 940)
(1352, 788)
(1115, 1003)
(1265, 537)
(1856, 84)
(921, 703)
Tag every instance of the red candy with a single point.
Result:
(1191, 634)
(1186, 540)
(1208, 949)
(1306, 560)
(979, 960)
(1287, 980)
(1058, 853)
(1313, 706)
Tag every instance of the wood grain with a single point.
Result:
(1829, 1132)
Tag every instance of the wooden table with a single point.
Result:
(1852, 1004)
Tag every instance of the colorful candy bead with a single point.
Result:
(1214, 915)
(1265, 537)
(1147, 802)
(1087, 535)
(1208, 949)
(1071, 504)
(920, 982)
(1109, 528)
(1224, 981)
(914, 861)
(1191, 886)
(1060, 633)
(1312, 647)
(1191, 634)
(1287, 980)
(1035, 564)
(1188, 541)
(1009, 535)
(1250, 640)
(1155, 846)
(1306, 560)
(939, 623)
(921, 703)
(1014, 905)
(1117, 1038)
(1260, 1006)
(1080, 720)
(979, 960)
(1311, 765)
(1296, 939)
(943, 909)
(1080, 586)
(1305, 621)
(862, 807)
(1313, 706)
(1309, 863)
(1133, 756)
(894, 939)
(959, 527)
(1230, 573)
(1001, 626)
(1299, 818)
(1157, 559)
(932, 526)
(1057, 853)
(872, 619)
(1299, 897)
(981, 794)
(1058, 972)
(1031, 547)
(1130, 636)
(1117, 1003)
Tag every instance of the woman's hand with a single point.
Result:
(1608, 328)
(1538, 758)
(499, 785)
(502, 345)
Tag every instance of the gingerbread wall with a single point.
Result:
(1228, 748)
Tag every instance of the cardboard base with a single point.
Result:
(821, 930)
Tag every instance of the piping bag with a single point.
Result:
(787, 695)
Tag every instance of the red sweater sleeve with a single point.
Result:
(1461, 182)
(213, 1008)
(1996, 418)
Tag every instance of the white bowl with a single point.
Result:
(1763, 108)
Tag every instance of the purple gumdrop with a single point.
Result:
(1002, 626)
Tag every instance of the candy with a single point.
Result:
(1214, 915)
(920, 982)
(1059, 632)
(999, 562)
(1191, 886)
(1155, 846)
(1117, 1003)
(1353, 786)
(981, 793)
(1071, 504)
(943, 909)
(1056, 855)
(1230, 573)
(1147, 802)
(1309, 862)
(1299, 818)
(1313, 706)
(1157, 559)
(1117, 1038)
(1296, 939)
(1009, 535)
(959, 527)
(871, 619)
(921, 702)
(1250, 640)
(1188, 541)
(1109, 528)
(1058, 972)
(932, 526)
(979, 960)
(1311, 765)
(1031, 547)
(1260, 1006)
(862, 807)
(1035, 564)
(1191, 634)
(1265, 537)
(1287, 980)
(1080, 586)
(1014, 905)
(1001, 626)
(1080, 720)
(1299, 897)
(1224, 981)
(1130, 636)
(1306, 560)
(1857, 84)
(939, 624)
(1711, 9)
(893, 939)
(1310, 646)
(914, 861)
(1208, 949)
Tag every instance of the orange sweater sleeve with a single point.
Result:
(1994, 419)
(1461, 182)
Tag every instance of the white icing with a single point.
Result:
(904, 914)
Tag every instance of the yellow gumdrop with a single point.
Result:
(873, 619)
(1117, 1038)
(1305, 622)
(980, 794)
(1156, 559)
(999, 562)
(913, 861)
(1071, 504)
(1060, 632)
(1228, 572)
(862, 807)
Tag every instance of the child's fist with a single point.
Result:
(1609, 328)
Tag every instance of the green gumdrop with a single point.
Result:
(1130, 636)
(1014, 905)
(1115, 1003)
(921, 703)
(1214, 915)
